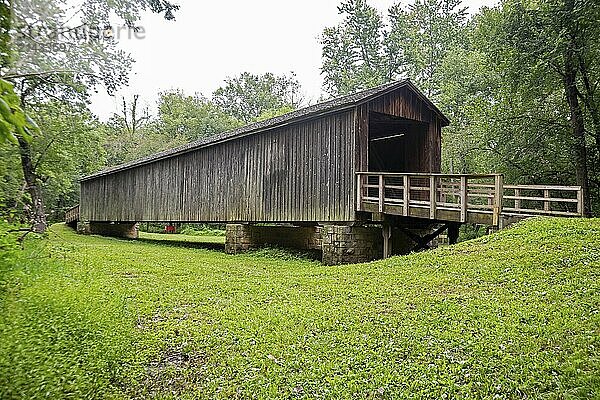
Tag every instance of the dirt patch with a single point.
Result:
(174, 373)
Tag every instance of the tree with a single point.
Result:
(353, 52)
(51, 59)
(361, 52)
(548, 47)
(247, 96)
(191, 117)
(422, 35)
(127, 133)
(70, 147)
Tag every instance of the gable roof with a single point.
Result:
(327, 107)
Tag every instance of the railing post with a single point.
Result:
(580, 201)
(359, 192)
(498, 195)
(406, 195)
(517, 201)
(464, 198)
(432, 196)
(381, 193)
(546, 203)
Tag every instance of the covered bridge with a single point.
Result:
(353, 177)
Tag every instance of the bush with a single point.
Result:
(201, 230)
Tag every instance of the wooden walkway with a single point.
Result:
(480, 199)
(72, 216)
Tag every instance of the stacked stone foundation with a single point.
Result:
(351, 244)
(244, 237)
(339, 244)
(126, 230)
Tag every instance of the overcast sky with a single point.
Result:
(212, 40)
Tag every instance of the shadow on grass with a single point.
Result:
(184, 243)
(281, 253)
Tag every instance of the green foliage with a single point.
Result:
(5, 26)
(365, 50)
(353, 54)
(510, 315)
(247, 96)
(201, 230)
(13, 121)
(272, 113)
(70, 148)
(499, 77)
(191, 117)
(422, 35)
(531, 123)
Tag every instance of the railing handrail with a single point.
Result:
(426, 175)
(72, 214)
(542, 187)
(499, 197)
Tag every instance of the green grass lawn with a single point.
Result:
(511, 315)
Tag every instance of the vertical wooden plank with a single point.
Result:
(463, 198)
(580, 202)
(406, 194)
(387, 243)
(432, 196)
(498, 196)
(517, 201)
(359, 192)
(546, 203)
(381, 192)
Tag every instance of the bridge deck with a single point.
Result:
(481, 199)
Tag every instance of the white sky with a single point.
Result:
(212, 40)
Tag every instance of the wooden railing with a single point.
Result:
(462, 198)
(72, 215)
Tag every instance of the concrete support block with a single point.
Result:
(126, 230)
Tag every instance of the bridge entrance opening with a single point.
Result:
(396, 144)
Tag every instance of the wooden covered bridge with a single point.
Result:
(356, 177)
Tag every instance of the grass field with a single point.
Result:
(511, 315)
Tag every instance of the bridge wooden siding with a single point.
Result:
(480, 199)
(296, 168)
(295, 173)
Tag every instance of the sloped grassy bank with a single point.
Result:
(509, 315)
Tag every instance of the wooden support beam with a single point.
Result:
(387, 240)
(359, 191)
(453, 232)
(432, 196)
(463, 198)
(546, 202)
(422, 242)
(580, 202)
(381, 193)
(406, 195)
(517, 199)
(498, 196)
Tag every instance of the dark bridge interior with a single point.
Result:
(396, 144)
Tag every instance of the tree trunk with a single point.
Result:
(37, 212)
(588, 97)
(577, 127)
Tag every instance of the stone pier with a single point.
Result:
(126, 230)
(243, 237)
(351, 244)
(339, 244)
